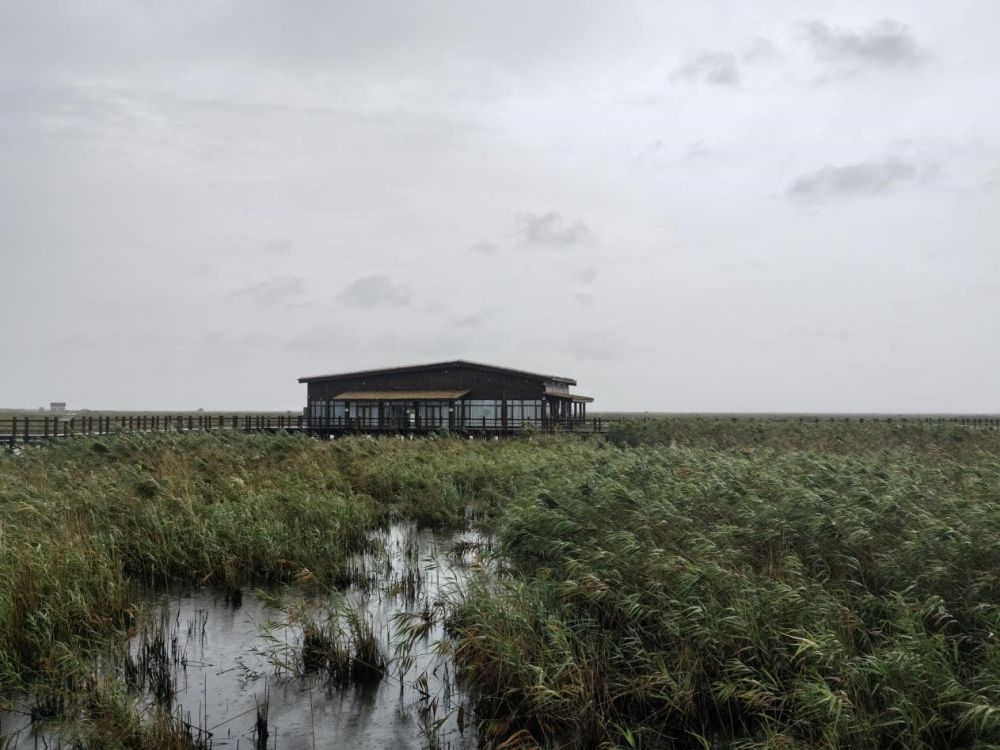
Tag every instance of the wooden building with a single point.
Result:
(457, 395)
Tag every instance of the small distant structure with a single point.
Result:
(455, 395)
(57, 407)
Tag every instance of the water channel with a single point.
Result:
(231, 656)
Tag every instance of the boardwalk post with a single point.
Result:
(27, 428)
(13, 430)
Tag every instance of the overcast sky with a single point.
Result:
(705, 205)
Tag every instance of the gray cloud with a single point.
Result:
(484, 247)
(697, 150)
(549, 230)
(760, 49)
(887, 44)
(278, 246)
(586, 275)
(822, 333)
(271, 292)
(992, 181)
(717, 68)
(598, 345)
(221, 342)
(649, 151)
(866, 178)
(324, 339)
(475, 320)
(376, 290)
(435, 307)
(257, 144)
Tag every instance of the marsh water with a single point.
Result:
(233, 657)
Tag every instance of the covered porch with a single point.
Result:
(566, 407)
(395, 410)
(431, 410)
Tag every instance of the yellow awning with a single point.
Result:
(400, 395)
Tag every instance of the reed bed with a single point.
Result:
(86, 525)
(682, 584)
(698, 597)
(814, 434)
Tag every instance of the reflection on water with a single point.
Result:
(228, 655)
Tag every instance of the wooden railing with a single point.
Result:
(989, 421)
(30, 428)
(33, 428)
(476, 426)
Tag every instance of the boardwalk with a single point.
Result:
(36, 428)
(29, 429)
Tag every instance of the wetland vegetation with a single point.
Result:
(683, 583)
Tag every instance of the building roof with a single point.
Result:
(400, 395)
(439, 366)
(570, 396)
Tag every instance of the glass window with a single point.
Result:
(521, 411)
(432, 413)
(478, 410)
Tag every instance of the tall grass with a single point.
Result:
(805, 434)
(85, 524)
(684, 584)
(695, 597)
